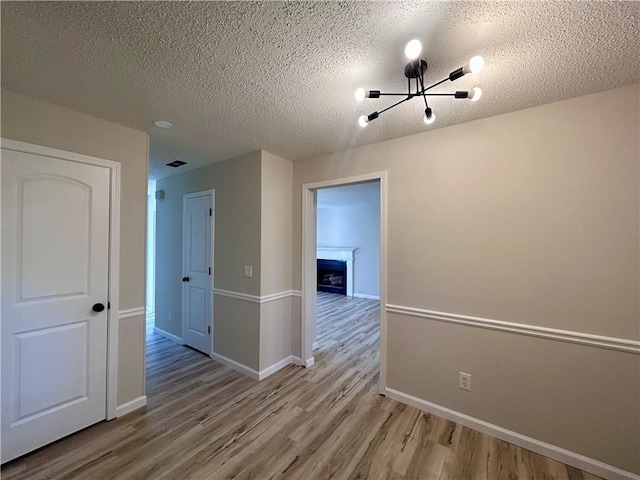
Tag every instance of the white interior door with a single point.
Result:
(55, 254)
(197, 312)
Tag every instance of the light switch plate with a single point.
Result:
(248, 271)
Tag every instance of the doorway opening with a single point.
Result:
(344, 221)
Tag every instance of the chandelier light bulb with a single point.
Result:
(430, 119)
(475, 94)
(476, 64)
(413, 49)
(363, 120)
(360, 94)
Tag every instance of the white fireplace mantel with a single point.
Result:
(339, 253)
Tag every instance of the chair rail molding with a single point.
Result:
(256, 298)
(612, 343)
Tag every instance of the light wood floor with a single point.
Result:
(205, 421)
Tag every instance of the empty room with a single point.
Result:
(313, 240)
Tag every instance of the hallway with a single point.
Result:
(206, 421)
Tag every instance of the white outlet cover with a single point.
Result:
(465, 381)
(248, 271)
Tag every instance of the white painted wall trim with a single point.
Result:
(237, 366)
(114, 253)
(167, 335)
(255, 298)
(131, 313)
(132, 405)
(365, 295)
(275, 367)
(237, 295)
(252, 373)
(299, 361)
(587, 464)
(612, 343)
(280, 295)
(114, 293)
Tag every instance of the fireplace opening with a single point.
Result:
(332, 276)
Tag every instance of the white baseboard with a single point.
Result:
(129, 407)
(261, 375)
(315, 345)
(302, 363)
(170, 336)
(237, 366)
(576, 460)
(366, 295)
(275, 367)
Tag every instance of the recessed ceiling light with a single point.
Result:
(162, 124)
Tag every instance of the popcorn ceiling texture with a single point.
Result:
(234, 77)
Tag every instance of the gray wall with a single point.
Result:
(252, 227)
(530, 217)
(355, 226)
(30, 120)
(237, 242)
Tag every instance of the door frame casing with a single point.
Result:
(114, 252)
(186, 196)
(309, 247)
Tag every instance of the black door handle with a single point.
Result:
(97, 307)
(185, 279)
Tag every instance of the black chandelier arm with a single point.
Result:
(396, 104)
(412, 95)
(434, 85)
(419, 92)
(423, 91)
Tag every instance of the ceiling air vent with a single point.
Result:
(176, 163)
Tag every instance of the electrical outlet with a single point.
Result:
(465, 381)
(248, 272)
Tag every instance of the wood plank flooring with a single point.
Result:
(205, 421)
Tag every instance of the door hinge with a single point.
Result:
(209, 270)
(209, 329)
(210, 212)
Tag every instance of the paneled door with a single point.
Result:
(55, 274)
(197, 261)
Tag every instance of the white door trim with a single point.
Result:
(309, 250)
(186, 196)
(114, 253)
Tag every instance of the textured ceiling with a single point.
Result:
(234, 77)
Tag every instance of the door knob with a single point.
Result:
(185, 279)
(97, 307)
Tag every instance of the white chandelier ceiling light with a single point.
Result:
(415, 69)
